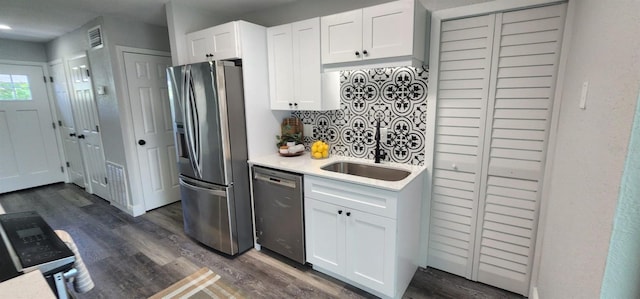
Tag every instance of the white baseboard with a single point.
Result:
(534, 293)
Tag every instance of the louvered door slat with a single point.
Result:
(544, 59)
(464, 67)
(526, 53)
(461, 74)
(523, 103)
(510, 256)
(529, 38)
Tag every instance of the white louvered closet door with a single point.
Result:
(463, 88)
(484, 208)
(525, 62)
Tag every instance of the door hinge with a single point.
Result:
(51, 79)
(88, 75)
(53, 125)
(68, 164)
(105, 181)
(60, 123)
(97, 129)
(62, 169)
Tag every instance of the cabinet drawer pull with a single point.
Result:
(357, 53)
(348, 213)
(339, 211)
(365, 52)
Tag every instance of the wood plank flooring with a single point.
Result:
(136, 257)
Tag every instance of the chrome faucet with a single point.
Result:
(377, 152)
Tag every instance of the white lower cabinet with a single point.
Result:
(355, 233)
(366, 239)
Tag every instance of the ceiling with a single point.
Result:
(44, 20)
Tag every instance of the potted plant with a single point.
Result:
(289, 136)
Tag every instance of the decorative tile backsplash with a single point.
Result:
(396, 96)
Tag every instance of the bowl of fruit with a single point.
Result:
(320, 150)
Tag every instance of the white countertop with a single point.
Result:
(304, 164)
(27, 286)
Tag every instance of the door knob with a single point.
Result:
(81, 136)
(142, 142)
(72, 134)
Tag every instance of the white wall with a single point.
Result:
(591, 147)
(182, 20)
(120, 32)
(22, 51)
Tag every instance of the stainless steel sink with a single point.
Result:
(368, 171)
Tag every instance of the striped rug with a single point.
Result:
(203, 284)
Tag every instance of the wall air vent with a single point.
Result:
(95, 37)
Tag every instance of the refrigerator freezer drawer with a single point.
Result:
(206, 214)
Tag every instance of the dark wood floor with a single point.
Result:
(136, 257)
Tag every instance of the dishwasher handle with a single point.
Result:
(275, 180)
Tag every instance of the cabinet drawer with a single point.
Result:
(363, 198)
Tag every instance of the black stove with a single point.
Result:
(29, 243)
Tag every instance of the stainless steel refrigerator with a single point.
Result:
(207, 105)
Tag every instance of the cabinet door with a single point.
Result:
(225, 41)
(281, 79)
(199, 44)
(325, 235)
(370, 257)
(342, 37)
(387, 30)
(306, 64)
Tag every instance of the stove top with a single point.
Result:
(34, 243)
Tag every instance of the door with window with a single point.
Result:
(88, 127)
(29, 155)
(73, 155)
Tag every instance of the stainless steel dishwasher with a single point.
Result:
(279, 212)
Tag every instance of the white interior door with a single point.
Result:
(153, 127)
(491, 141)
(29, 154)
(71, 146)
(463, 87)
(87, 127)
(525, 62)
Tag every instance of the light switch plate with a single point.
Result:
(307, 130)
(583, 95)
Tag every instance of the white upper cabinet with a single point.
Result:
(280, 51)
(216, 43)
(342, 37)
(296, 80)
(394, 31)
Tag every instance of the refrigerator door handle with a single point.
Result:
(192, 124)
(189, 184)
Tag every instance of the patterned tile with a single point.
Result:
(395, 96)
